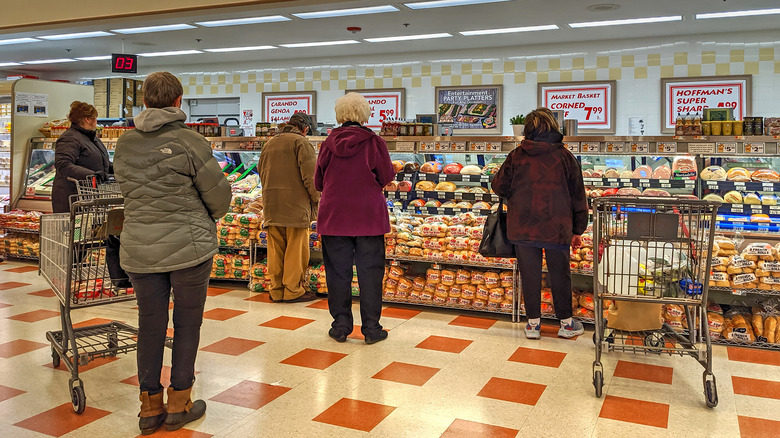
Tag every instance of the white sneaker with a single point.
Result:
(533, 332)
(571, 330)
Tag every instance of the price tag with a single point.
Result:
(29, 191)
(640, 147)
(458, 146)
(404, 195)
(727, 148)
(754, 148)
(774, 209)
(669, 147)
(458, 196)
(740, 292)
(48, 145)
(404, 146)
(442, 145)
(739, 185)
(768, 187)
(427, 146)
(644, 181)
(712, 185)
(478, 146)
(736, 208)
(701, 148)
(666, 186)
(615, 147)
(612, 180)
(590, 147)
(572, 146)
(484, 178)
(493, 146)
(442, 177)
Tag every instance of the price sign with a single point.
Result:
(726, 148)
(279, 107)
(590, 103)
(48, 145)
(641, 147)
(458, 146)
(442, 145)
(590, 147)
(754, 148)
(427, 146)
(478, 146)
(385, 104)
(669, 147)
(572, 146)
(701, 148)
(484, 178)
(493, 146)
(615, 147)
(404, 146)
(442, 177)
(769, 187)
(739, 185)
(682, 96)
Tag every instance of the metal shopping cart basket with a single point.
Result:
(657, 252)
(73, 261)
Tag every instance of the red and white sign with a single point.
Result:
(590, 105)
(279, 109)
(385, 104)
(693, 96)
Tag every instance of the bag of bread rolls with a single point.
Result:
(547, 308)
(496, 295)
(759, 251)
(462, 276)
(447, 277)
(777, 332)
(414, 295)
(442, 290)
(715, 322)
(492, 279)
(770, 329)
(507, 279)
(586, 300)
(482, 292)
(479, 304)
(575, 300)
(468, 291)
(455, 291)
(547, 296)
(477, 277)
(582, 312)
(418, 283)
(433, 276)
(465, 302)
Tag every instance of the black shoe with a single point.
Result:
(308, 296)
(337, 335)
(379, 336)
(177, 420)
(276, 301)
(149, 425)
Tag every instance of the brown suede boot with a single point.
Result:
(181, 409)
(152, 414)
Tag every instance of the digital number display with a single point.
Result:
(124, 63)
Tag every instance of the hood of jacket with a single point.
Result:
(348, 140)
(152, 119)
(542, 144)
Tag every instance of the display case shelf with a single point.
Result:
(450, 262)
(749, 186)
(641, 183)
(20, 256)
(749, 227)
(742, 292)
(448, 211)
(447, 306)
(21, 230)
(749, 209)
(758, 345)
(441, 195)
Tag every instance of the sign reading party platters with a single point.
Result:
(591, 103)
(692, 95)
(279, 107)
(472, 110)
(386, 103)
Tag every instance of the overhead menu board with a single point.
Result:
(472, 110)
(386, 103)
(693, 95)
(278, 107)
(591, 103)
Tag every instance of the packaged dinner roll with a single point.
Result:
(482, 292)
(547, 296)
(477, 277)
(715, 322)
(492, 279)
(455, 291)
(770, 329)
(433, 275)
(586, 301)
(462, 276)
(447, 277)
(418, 284)
(468, 291)
(507, 279)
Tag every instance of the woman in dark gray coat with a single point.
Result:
(78, 154)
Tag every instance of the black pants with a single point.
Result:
(153, 292)
(367, 253)
(529, 263)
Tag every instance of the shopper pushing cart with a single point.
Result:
(653, 254)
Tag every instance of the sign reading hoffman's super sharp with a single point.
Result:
(590, 104)
(278, 109)
(694, 96)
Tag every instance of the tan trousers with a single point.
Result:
(288, 258)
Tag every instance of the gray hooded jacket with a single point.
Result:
(174, 190)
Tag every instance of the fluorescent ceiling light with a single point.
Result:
(49, 61)
(8, 64)
(738, 14)
(18, 41)
(147, 29)
(239, 49)
(428, 36)
(509, 30)
(446, 3)
(626, 21)
(171, 53)
(95, 58)
(239, 21)
(346, 12)
(320, 43)
(72, 36)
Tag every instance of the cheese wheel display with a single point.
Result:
(453, 168)
(662, 172)
(643, 172)
(398, 166)
(738, 174)
(765, 175)
(471, 170)
(714, 197)
(425, 186)
(713, 173)
(445, 186)
(431, 167)
(733, 197)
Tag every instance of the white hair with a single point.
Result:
(352, 107)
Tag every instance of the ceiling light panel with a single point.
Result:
(9, 64)
(95, 58)
(73, 36)
(18, 41)
(49, 61)
(753, 13)
(239, 49)
(428, 36)
(320, 43)
(347, 12)
(148, 29)
(171, 53)
(240, 21)
(626, 21)
(509, 30)
(448, 3)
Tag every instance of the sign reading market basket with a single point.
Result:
(591, 104)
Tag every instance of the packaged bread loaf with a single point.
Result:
(492, 279)
(738, 174)
(468, 291)
(433, 276)
(713, 173)
(759, 251)
(765, 175)
(770, 329)
(447, 277)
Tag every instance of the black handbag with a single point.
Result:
(118, 275)
(494, 235)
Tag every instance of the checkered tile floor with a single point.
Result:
(271, 370)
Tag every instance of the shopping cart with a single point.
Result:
(73, 261)
(655, 251)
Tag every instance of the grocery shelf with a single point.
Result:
(750, 186)
(749, 209)
(737, 291)
(757, 227)
(456, 177)
(257, 245)
(449, 211)
(641, 182)
(450, 262)
(20, 256)
(456, 196)
(231, 278)
(758, 345)
(21, 230)
(238, 248)
(447, 306)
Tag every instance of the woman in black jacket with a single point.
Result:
(78, 154)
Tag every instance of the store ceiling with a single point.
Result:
(513, 13)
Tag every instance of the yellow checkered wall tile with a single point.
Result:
(283, 76)
(737, 55)
(751, 68)
(578, 63)
(722, 69)
(615, 74)
(694, 70)
(530, 66)
(627, 61)
(681, 58)
(766, 54)
(425, 70)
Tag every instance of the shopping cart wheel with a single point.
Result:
(113, 343)
(710, 391)
(78, 399)
(654, 340)
(55, 358)
(598, 382)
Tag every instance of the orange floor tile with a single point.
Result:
(23, 269)
(750, 427)
(442, 343)
(355, 414)
(46, 293)
(252, 395)
(470, 321)
(12, 284)
(318, 304)
(311, 358)
(635, 411)
(470, 429)
(538, 357)
(756, 387)
(401, 313)
(220, 314)
(217, 291)
(406, 373)
(287, 323)
(20, 346)
(259, 297)
(61, 420)
(6, 392)
(35, 315)
(512, 390)
(181, 433)
(641, 371)
(232, 346)
(754, 356)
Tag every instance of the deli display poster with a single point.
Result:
(693, 95)
(590, 103)
(472, 110)
(279, 107)
(386, 103)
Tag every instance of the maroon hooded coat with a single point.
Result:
(353, 167)
(542, 185)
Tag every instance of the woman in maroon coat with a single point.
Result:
(352, 168)
(546, 210)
